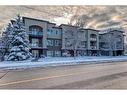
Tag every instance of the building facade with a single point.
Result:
(66, 40)
(45, 38)
(111, 42)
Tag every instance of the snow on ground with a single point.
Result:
(57, 61)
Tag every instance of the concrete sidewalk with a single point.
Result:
(59, 61)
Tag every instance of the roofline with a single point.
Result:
(111, 31)
(92, 29)
(116, 30)
(51, 23)
(38, 20)
(57, 27)
(68, 25)
(89, 29)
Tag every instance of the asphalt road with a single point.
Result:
(93, 76)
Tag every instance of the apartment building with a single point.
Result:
(111, 42)
(92, 38)
(66, 40)
(44, 37)
(69, 39)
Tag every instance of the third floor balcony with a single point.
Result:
(93, 39)
(35, 33)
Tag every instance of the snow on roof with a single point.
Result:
(111, 30)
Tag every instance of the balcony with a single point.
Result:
(36, 45)
(35, 33)
(104, 45)
(93, 39)
(93, 47)
(119, 47)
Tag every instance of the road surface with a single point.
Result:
(93, 76)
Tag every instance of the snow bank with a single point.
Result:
(58, 61)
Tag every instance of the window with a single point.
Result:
(100, 37)
(57, 42)
(83, 44)
(119, 45)
(49, 42)
(57, 53)
(56, 32)
(81, 53)
(49, 53)
(104, 45)
(35, 53)
(53, 32)
(35, 42)
(93, 44)
(35, 28)
(93, 36)
(50, 32)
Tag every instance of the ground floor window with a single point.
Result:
(117, 53)
(49, 53)
(105, 53)
(35, 53)
(93, 53)
(57, 53)
(81, 53)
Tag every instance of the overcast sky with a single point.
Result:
(94, 16)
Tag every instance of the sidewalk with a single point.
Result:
(58, 61)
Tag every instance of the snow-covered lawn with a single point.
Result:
(57, 61)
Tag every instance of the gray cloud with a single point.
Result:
(89, 16)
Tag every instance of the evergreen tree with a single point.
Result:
(19, 42)
(7, 38)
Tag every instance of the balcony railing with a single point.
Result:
(35, 33)
(93, 47)
(119, 47)
(36, 45)
(93, 39)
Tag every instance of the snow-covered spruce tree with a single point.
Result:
(20, 43)
(2, 49)
(7, 36)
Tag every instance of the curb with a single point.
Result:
(58, 64)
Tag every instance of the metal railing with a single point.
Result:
(36, 45)
(93, 47)
(35, 33)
